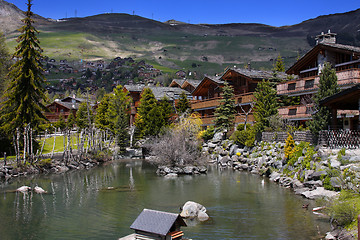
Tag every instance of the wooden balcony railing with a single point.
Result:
(346, 78)
(210, 120)
(214, 102)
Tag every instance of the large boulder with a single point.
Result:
(218, 137)
(194, 210)
(319, 192)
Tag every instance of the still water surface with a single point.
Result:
(79, 206)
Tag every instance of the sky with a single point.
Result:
(275, 13)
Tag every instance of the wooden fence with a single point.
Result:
(339, 138)
(298, 136)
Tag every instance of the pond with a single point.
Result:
(101, 203)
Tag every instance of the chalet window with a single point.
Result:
(291, 86)
(309, 84)
(292, 111)
(239, 100)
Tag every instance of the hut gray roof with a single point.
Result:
(157, 222)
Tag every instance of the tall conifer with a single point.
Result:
(24, 97)
(328, 86)
(183, 104)
(266, 104)
(225, 112)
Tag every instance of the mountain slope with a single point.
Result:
(206, 48)
(10, 17)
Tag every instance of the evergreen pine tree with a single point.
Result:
(118, 116)
(225, 112)
(102, 119)
(70, 121)
(25, 93)
(279, 65)
(328, 86)
(82, 116)
(183, 104)
(166, 110)
(152, 116)
(61, 123)
(121, 126)
(4, 63)
(266, 104)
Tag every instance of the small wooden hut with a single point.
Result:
(157, 225)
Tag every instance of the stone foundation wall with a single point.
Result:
(298, 136)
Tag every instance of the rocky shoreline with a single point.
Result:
(56, 165)
(312, 182)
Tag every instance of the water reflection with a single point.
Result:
(102, 203)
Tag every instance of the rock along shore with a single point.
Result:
(268, 159)
(56, 165)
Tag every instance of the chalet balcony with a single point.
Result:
(210, 120)
(212, 103)
(54, 117)
(346, 79)
(296, 112)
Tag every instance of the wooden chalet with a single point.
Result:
(62, 107)
(135, 91)
(190, 85)
(135, 94)
(177, 83)
(345, 107)
(207, 95)
(157, 225)
(344, 58)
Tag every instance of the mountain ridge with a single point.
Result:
(197, 47)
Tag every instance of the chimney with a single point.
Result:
(328, 37)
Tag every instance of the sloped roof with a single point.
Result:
(135, 88)
(314, 51)
(192, 82)
(69, 99)
(345, 100)
(171, 92)
(67, 105)
(256, 74)
(157, 222)
(179, 82)
(215, 79)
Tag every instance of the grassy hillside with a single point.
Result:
(174, 50)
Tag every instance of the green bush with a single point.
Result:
(208, 133)
(344, 210)
(326, 179)
(244, 137)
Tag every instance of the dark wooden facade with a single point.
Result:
(344, 58)
(207, 95)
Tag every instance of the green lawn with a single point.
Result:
(59, 144)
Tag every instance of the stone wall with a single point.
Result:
(298, 136)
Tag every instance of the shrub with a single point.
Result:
(244, 137)
(207, 134)
(344, 210)
(289, 146)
